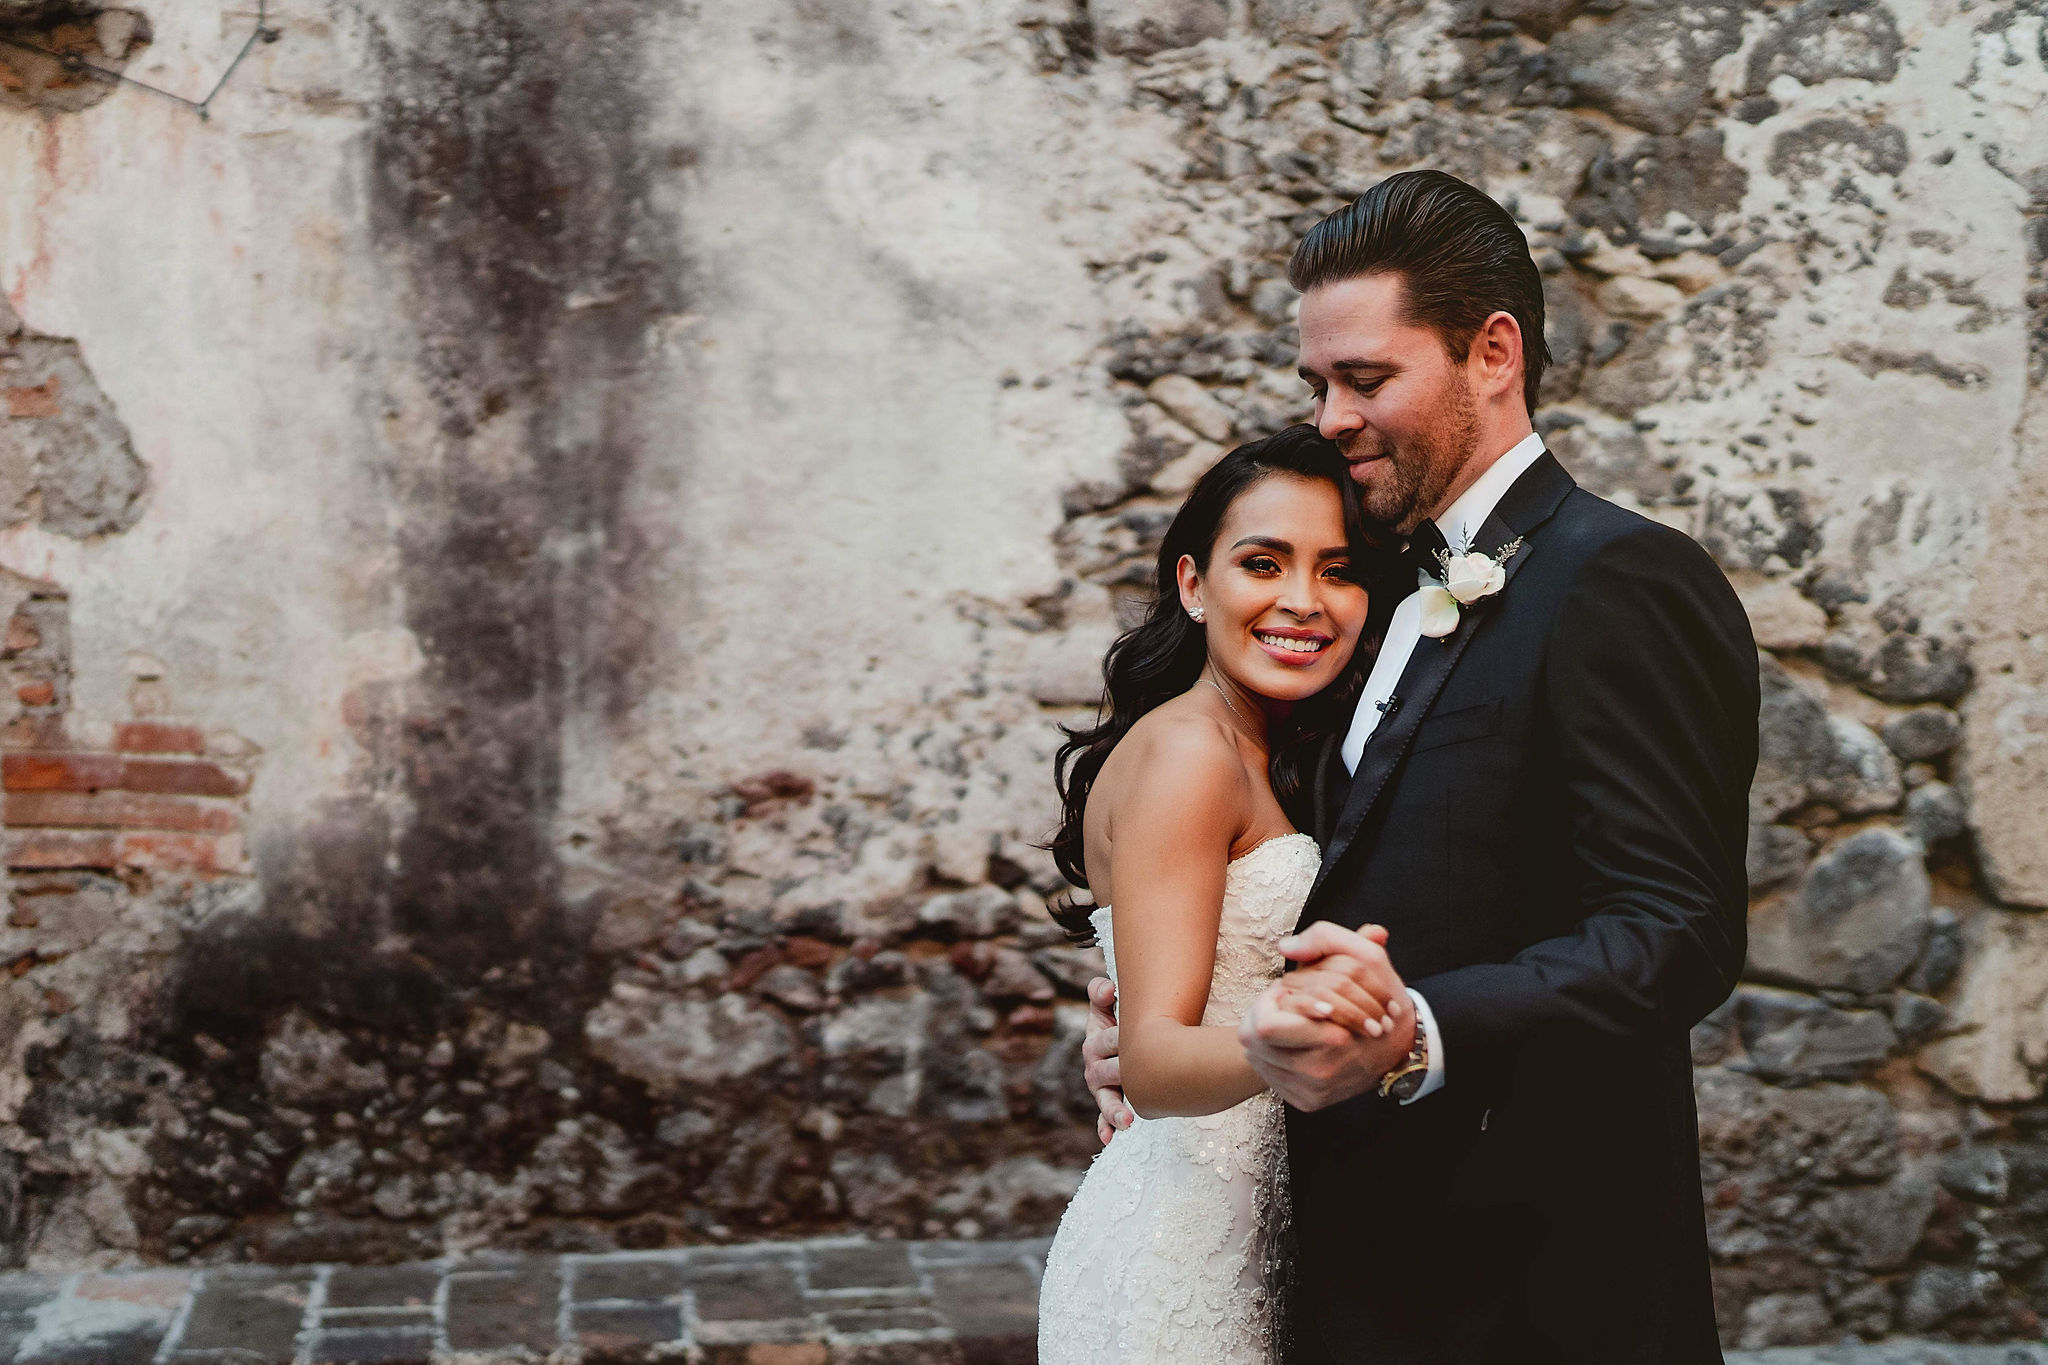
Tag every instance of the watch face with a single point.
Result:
(1404, 1087)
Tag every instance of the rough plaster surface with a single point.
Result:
(601, 506)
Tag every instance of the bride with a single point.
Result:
(1175, 812)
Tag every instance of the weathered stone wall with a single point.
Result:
(544, 545)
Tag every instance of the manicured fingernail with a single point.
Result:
(1393, 1009)
(1372, 1026)
(1325, 1007)
(1288, 942)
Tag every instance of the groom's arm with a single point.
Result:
(1650, 689)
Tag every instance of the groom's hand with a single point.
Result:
(1311, 1064)
(1103, 1070)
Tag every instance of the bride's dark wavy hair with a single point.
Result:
(1162, 656)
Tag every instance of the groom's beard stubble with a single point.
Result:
(1413, 481)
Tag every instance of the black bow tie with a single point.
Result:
(1424, 547)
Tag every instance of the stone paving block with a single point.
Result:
(893, 1318)
(499, 1260)
(255, 1309)
(993, 1308)
(165, 1289)
(126, 1348)
(495, 1310)
(334, 1319)
(19, 1294)
(376, 1346)
(767, 1353)
(622, 1334)
(861, 1265)
(980, 1253)
(382, 1286)
(758, 1291)
(83, 1336)
(640, 1281)
(105, 1320)
(898, 1353)
(848, 1300)
(751, 1253)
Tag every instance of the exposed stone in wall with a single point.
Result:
(2005, 765)
(563, 956)
(66, 462)
(45, 44)
(117, 840)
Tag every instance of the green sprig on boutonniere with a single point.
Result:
(1469, 578)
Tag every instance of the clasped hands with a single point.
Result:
(1319, 1035)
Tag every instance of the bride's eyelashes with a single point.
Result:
(1338, 571)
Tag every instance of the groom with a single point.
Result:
(1541, 798)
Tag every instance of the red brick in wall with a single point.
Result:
(149, 801)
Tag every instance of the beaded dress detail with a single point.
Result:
(1171, 1249)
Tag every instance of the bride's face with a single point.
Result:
(1281, 609)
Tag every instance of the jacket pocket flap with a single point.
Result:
(1452, 727)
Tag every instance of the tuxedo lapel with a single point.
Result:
(1530, 502)
(1332, 782)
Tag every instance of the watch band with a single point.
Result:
(1404, 1080)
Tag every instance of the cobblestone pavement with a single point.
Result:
(838, 1302)
(814, 1303)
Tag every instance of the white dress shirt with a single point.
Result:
(1459, 525)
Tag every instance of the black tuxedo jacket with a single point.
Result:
(1551, 825)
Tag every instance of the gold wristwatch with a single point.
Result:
(1403, 1081)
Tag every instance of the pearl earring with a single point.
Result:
(1195, 615)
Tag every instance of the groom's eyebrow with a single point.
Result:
(1345, 367)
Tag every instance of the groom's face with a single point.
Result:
(1401, 410)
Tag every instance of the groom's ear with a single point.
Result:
(1495, 358)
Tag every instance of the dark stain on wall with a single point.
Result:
(510, 200)
(510, 191)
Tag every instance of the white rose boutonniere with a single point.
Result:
(1469, 577)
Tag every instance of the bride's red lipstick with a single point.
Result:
(1292, 658)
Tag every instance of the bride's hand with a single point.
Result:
(1102, 1068)
(1360, 956)
(1324, 996)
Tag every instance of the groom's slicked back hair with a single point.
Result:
(1459, 254)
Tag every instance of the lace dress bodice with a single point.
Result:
(1166, 1253)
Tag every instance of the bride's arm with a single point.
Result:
(1171, 835)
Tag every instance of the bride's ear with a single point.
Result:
(1190, 580)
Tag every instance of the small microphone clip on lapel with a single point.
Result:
(1389, 706)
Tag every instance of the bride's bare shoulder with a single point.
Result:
(1178, 747)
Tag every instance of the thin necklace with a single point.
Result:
(1226, 700)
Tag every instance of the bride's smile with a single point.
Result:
(1291, 642)
(1280, 599)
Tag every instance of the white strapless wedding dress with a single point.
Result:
(1169, 1253)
